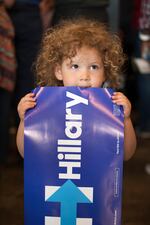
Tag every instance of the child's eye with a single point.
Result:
(94, 67)
(74, 66)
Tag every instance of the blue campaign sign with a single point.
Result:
(73, 158)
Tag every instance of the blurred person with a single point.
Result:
(144, 79)
(26, 18)
(127, 30)
(141, 65)
(142, 62)
(90, 9)
(47, 10)
(7, 77)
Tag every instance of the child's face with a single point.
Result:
(86, 69)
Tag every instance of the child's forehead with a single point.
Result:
(84, 48)
(84, 52)
(87, 49)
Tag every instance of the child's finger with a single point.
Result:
(28, 97)
(29, 94)
(118, 95)
(22, 108)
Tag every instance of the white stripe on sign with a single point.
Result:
(56, 221)
(50, 190)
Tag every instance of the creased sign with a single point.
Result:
(73, 158)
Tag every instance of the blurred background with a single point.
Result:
(22, 23)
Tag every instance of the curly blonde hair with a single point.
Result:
(63, 41)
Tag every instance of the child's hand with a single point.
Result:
(120, 99)
(27, 102)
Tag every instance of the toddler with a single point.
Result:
(80, 53)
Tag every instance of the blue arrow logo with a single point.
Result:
(69, 195)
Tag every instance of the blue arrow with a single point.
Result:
(69, 195)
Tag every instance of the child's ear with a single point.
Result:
(58, 72)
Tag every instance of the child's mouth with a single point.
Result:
(85, 86)
(82, 86)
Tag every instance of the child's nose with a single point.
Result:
(85, 76)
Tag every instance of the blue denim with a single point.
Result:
(143, 83)
(28, 33)
(143, 87)
(5, 98)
